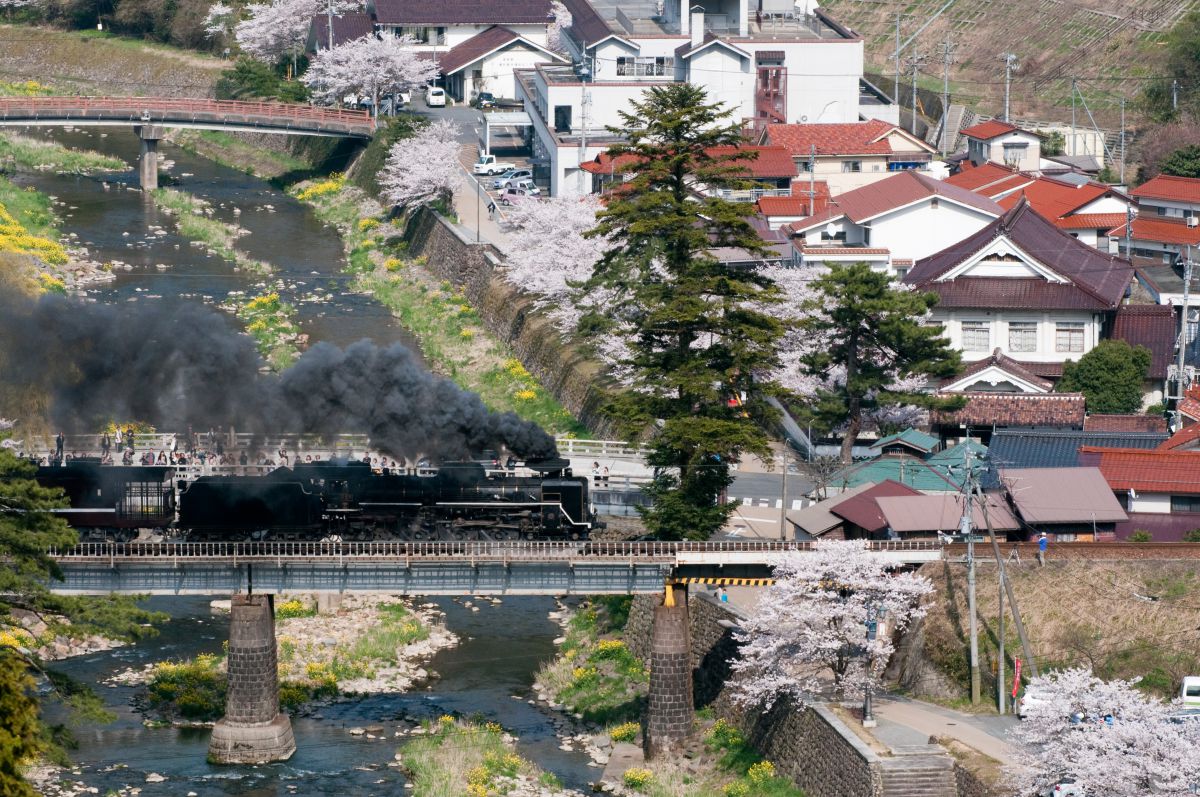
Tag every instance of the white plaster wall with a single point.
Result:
(830, 170)
(822, 78)
(951, 320)
(1159, 503)
(726, 78)
(1105, 204)
(498, 76)
(920, 230)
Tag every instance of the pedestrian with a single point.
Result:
(118, 440)
(1043, 544)
(105, 445)
(722, 595)
(596, 474)
(59, 442)
(604, 476)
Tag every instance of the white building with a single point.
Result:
(1003, 143)
(440, 26)
(489, 62)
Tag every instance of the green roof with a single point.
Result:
(954, 454)
(911, 471)
(912, 438)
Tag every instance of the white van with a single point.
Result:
(1190, 691)
(435, 96)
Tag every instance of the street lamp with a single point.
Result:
(873, 616)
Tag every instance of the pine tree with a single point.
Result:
(873, 338)
(699, 331)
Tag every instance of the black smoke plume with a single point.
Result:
(186, 366)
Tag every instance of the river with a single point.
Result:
(501, 645)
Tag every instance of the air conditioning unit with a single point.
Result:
(1193, 221)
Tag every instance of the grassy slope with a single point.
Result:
(1053, 41)
(1076, 613)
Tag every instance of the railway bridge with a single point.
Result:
(149, 116)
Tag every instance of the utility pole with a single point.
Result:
(783, 496)
(947, 58)
(1000, 702)
(583, 105)
(915, 62)
(1122, 141)
(896, 83)
(1008, 590)
(812, 211)
(1074, 138)
(1010, 64)
(1180, 389)
(1129, 232)
(966, 529)
(329, 12)
(1174, 94)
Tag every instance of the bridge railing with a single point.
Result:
(137, 107)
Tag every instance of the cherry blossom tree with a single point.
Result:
(369, 66)
(220, 20)
(274, 29)
(423, 167)
(1115, 740)
(820, 618)
(560, 20)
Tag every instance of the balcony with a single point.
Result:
(750, 194)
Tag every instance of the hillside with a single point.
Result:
(1054, 39)
(1125, 619)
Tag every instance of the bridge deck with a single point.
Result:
(267, 117)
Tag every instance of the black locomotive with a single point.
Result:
(329, 500)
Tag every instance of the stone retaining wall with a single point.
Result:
(511, 317)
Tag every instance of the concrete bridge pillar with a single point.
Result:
(670, 711)
(148, 159)
(252, 730)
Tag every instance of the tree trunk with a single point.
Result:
(853, 402)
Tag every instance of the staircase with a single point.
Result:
(919, 776)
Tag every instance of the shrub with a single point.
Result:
(761, 772)
(736, 789)
(294, 607)
(637, 778)
(1192, 536)
(625, 732)
(724, 735)
(1141, 535)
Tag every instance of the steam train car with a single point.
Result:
(112, 502)
(250, 507)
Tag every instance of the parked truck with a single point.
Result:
(487, 164)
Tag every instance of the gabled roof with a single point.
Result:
(988, 130)
(912, 471)
(783, 206)
(839, 138)
(462, 12)
(346, 28)
(912, 438)
(1099, 422)
(1096, 280)
(1159, 230)
(484, 44)
(1055, 198)
(1090, 221)
(863, 511)
(1170, 188)
(587, 26)
(1152, 326)
(891, 193)
(980, 178)
(933, 513)
(1018, 409)
(1057, 448)
(954, 454)
(760, 161)
(1186, 438)
(1175, 472)
(1001, 361)
(687, 49)
(1062, 495)
(818, 518)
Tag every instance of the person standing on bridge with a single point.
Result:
(1043, 544)
(105, 445)
(59, 442)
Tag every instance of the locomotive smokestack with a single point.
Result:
(187, 366)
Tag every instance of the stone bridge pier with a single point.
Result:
(150, 135)
(252, 730)
(669, 710)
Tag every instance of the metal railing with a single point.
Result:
(751, 194)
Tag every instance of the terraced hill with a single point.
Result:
(1103, 43)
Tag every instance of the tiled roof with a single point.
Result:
(1175, 472)
(843, 251)
(1171, 188)
(587, 26)
(907, 470)
(1097, 280)
(1062, 495)
(1090, 221)
(1186, 437)
(1099, 422)
(840, 138)
(1152, 326)
(1000, 360)
(902, 188)
(1054, 198)
(1163, 527)
(606, 164)
(954, 454)
(1159, 230)
(346, 28)
(474, 48)
(1044, 370)
(1019, 409)
(978, 178)
(862, 511)
(988, 130)
(462, 12)
(1189, 407)
(783, 206)
(1057, 448)
(769, 162)
(910, 437)
(817, 518)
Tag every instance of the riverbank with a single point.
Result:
(453, 338)
(29, 233)
(240, 152)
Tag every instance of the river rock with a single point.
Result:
(357, 731)
(154, 777)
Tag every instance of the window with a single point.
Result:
(645, 66)
(562, 118)
(1161, 210)
(1185, 503)
(851, 166)
(1068, 337)
(976, 336)
(1022, 336)
(933, 204)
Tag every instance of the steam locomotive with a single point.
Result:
(327, 500)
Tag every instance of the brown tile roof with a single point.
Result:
(842, 250)
(1090, 221)
(1171, 188)
(346, 28)
(476, 47)
(836, 138)
(587, 26)
(769, 162)
(1154, 471)
(1097, 281)
(1001, 360)
(1099, 422)
(1159, 230)
(862, 511)
(463, 12)
(989, 129)
(1152, 326)
(902, 188)
(1019, 409)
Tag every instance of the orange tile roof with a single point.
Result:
(1053, 198)
(1189, 407)
(1090, 221)
(783, 206)
(1160, 230)
(842, 250)
(974, 178)
(1151, 471)
(847, 138)
(770, 162)
(989, 129)
(1169, 187)
(606, 164)
(1184, 437)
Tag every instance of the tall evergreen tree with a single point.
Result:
(699, 330)
(873, 337)
(1110, 376)
(27, 531)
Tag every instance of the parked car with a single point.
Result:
(435, 97)
(487, 164)
(1066, 787)
(511, 177)
(526, 185)
(1189, 692)
(512, 196)
(484, 99)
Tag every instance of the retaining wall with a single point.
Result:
(509, 315)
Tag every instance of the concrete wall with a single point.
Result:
(572, 378)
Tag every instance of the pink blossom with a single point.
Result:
(423, 167)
